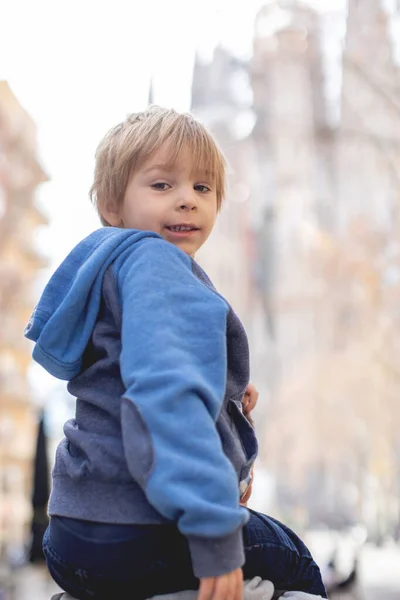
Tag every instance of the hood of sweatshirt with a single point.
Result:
(63, 320)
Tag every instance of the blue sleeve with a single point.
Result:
(173, 365)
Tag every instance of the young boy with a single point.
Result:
(147, 481)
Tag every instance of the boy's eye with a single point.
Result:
(160, 185)
(202, 188)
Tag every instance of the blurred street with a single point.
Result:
(376, 575)
(380, 573)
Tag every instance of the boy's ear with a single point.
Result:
(111, 212)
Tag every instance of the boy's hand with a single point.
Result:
(246, 496)
(224, 587)
(249, 399)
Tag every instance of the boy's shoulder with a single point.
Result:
(149, 243)
(154, 254)
(156, 264)
(131, 246)
(202, 275)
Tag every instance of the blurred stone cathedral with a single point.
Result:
(308, 247)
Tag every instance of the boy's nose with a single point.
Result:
(188, 206)
(187, 201)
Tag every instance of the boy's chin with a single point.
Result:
(186, 247)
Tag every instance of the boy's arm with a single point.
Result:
(173, 365)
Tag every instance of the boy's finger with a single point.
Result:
(252, 401)
(238, 592)
(231, 588)
(221, 590)
(206, 588)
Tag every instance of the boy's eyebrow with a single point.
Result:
(167, 167)
(159, 167)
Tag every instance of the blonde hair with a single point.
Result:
(128, 145)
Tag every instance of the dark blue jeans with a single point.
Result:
(94, 561)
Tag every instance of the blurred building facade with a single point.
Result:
(20, 174)
(318, 231)
(230, 254)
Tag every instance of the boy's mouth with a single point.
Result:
(182, 228)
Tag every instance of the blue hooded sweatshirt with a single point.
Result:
(158, 362)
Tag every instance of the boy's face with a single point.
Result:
(177, 202)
